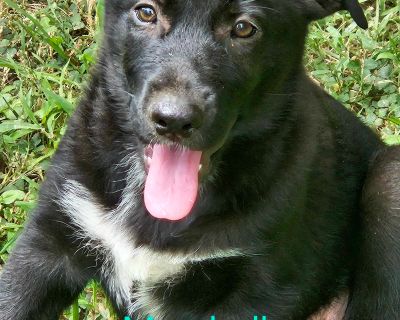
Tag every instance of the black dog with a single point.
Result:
(205, 174)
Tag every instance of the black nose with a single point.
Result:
(176, 117)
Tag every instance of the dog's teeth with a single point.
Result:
(200, 167)
(147, 163)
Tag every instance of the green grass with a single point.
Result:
(362, 68)
(47, 48)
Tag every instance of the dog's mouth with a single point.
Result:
(172, 182)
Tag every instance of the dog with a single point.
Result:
(205, 175)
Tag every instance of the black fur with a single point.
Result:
(287, 162)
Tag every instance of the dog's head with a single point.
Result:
(196, 70)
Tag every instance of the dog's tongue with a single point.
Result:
(172, 182)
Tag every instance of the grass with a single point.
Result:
(47, 48)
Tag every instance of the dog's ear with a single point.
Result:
(318, 9)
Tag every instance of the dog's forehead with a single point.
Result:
(215, 5)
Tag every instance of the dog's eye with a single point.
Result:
(244, 29)
(146, 14)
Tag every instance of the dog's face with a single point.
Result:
(191, 65)
(195, 69)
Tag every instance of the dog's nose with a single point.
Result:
(176, 119)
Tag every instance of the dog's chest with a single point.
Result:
(131, 272)
(137, 273)
(143, 266)
(125, 262)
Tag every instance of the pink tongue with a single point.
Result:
(172, 182)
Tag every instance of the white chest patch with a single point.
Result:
(126, 262)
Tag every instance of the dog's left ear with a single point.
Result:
(318, 9)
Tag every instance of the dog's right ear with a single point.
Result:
(317, 9)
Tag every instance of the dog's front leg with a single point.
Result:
(376, 290)
(40, 278)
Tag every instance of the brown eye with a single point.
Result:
(244, 29)
(146, 14)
